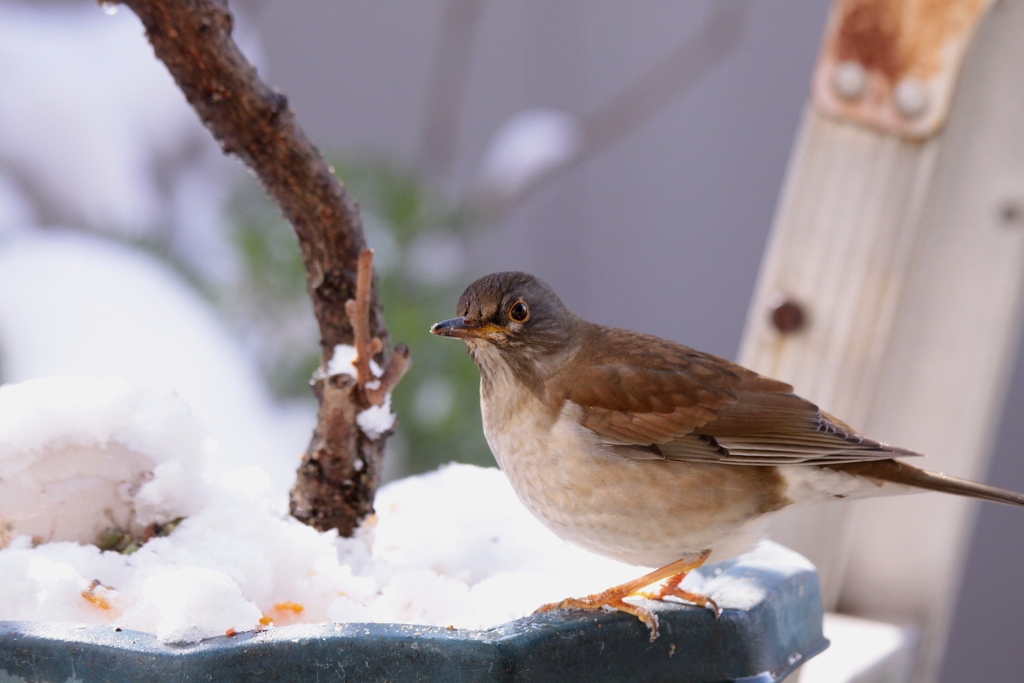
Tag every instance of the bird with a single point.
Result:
(649, 452)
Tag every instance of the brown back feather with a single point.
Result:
(636, 389)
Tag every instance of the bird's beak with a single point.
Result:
(458, 328)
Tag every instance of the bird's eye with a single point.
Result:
(519, 312)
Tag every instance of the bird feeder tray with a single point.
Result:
(770, 624)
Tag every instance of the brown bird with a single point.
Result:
(651, 453)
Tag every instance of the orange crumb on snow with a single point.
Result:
(293, 607)
(94, 594)
(283, 613)
(230, 632)
(96, 600)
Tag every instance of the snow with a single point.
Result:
(174, 594)
(79, 411)
(451, 547)
(342, 359)
(375, 420)
(81, 455)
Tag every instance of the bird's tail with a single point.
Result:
(901, 473)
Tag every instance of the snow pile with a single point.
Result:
(174, 595)
(452, 547)
(80, 455)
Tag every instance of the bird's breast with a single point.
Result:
(646, 512)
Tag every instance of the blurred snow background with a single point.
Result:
(112, 210)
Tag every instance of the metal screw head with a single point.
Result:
(788, 316)
(850, 80)
(911, 97)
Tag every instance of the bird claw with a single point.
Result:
(613, 597)
(693, 598)
(600, 600)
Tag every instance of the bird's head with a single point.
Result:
(515, 314)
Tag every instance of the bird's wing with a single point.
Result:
(701, 408)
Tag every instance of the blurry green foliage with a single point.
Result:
(418, 240)
(268, 301)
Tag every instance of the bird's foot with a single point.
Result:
(607, 599)
(613, 597)
(673, 590)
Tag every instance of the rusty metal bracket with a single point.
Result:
(893, 64)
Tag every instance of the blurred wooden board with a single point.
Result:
(907, 258)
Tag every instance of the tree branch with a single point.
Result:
(358, 311)
(374, 388)
(253, 122)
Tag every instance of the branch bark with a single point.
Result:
(252, 121)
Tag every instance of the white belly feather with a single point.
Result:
(647, 513)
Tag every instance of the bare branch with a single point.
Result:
(358, 311)
(393, 373)
(339, 473)
(374, 388)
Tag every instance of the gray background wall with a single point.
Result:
(662, 233)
